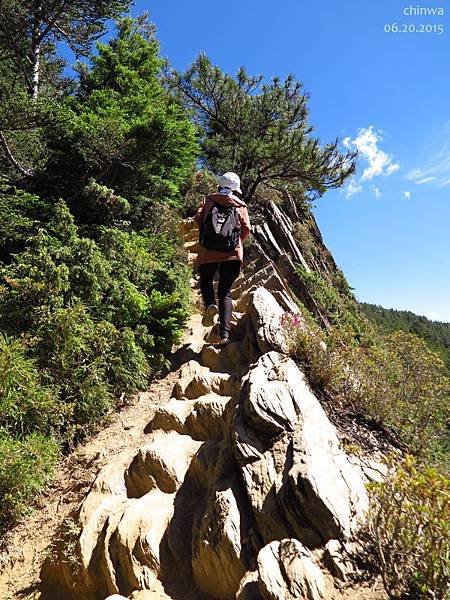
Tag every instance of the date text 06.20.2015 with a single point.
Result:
(436, 28)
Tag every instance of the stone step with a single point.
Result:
(156, 465)
(201, 419)
(196, 380)
(192, 246)
(223, 359)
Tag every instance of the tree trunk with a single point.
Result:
(36, 42)
(36, 71)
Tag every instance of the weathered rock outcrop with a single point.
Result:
(297, 478)
(242, 489)
(286, 569)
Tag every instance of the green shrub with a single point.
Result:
(316, 351)
(335, 301)
(410, 523)
(201, 184)
(304, 239)
(21, 215)
(26, 406)
(25, 467)
(90, 363)
(402, 384)
(99, 316)
(125, 278)
(396, 381)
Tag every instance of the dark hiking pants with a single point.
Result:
(228, 271)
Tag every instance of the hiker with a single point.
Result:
(224, 223)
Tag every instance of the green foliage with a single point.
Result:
(98, 316)
(20, 216)
(260, 130)
(94, 289)
(436, 334)
(334, 301)
(90, 363)
(32, 79)
(201, 184)
(410, 524)
(124, 136)
(397, 381)
(25, 466)
(29, 32)
(26, 406)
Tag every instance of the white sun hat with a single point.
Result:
(230, 181)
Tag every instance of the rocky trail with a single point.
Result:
(224, 480)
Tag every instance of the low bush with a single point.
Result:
(396, 381)
(90, 364)
(403, 384)
(21, 215)
(201, 184)
(98, 317)
(25, 466)
(410, 524)
(335, 301)
(26, 405)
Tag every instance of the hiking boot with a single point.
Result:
(224, 339)
(209, 314)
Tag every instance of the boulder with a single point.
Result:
(266, 315)
(249, 587)
(287, 571)
(134, 550)
(216, 562)
(123, 521)
(297, 477)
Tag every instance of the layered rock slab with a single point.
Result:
(297, 477)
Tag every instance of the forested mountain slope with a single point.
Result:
(435, 333)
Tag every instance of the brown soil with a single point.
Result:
(24, 548)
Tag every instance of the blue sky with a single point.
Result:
(385, 93)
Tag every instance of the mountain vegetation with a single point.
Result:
(435, 333)
(97, 168)
(93, 285)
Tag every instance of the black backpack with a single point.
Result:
(221, 228)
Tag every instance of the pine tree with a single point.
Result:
(260, 130)
(32, 72)
(123, 131)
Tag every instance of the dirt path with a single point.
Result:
(25, 547)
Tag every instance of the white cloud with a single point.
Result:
(347, 142)
(378, 161)
(425, 180)
(406, 195)
(352, 188)
(376, 192)
(392, 168)
(437, 171)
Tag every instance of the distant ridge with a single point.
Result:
(435, 333)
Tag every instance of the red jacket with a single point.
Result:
(207, 256)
